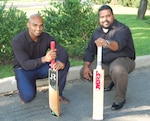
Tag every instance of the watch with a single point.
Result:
(108, 43)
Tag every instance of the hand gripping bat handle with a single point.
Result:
(52, 47)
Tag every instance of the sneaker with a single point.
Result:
(63, 100)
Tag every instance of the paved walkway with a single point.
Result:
(79, 92)
(34, 7)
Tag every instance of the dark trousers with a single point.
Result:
(117, 71)
(26, 80)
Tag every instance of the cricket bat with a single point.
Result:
(98, 88)
(53, 87)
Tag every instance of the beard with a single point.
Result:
(106, 24)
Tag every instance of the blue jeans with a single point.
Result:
(26, 80)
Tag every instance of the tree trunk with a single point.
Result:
(142, 9)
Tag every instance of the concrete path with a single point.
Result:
(79, 92)
(34, 7)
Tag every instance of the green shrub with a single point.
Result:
(129, 3)
(101, 1)
(12, 22)
(71, 23)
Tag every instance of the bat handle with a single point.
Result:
(52, 47)
(99, 57)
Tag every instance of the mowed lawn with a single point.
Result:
(140, 31)
(141, 35)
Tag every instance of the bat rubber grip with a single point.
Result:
(52, 47)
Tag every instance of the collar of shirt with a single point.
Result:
(30, 39)
(111, 27)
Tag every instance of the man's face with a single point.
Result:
(35, 26)
(106, 18)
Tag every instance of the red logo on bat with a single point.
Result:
(98, 82)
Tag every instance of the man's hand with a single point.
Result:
(101, 42)
(87, 73)
(49, 56)
(58, 65)
(112, 45)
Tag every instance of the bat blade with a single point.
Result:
(98, 94)
(54, 93)
(53, 88)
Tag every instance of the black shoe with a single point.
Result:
(116, 106)
(111, 85)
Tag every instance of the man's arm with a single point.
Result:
(113, 45)
(62, 54)
(22, 57)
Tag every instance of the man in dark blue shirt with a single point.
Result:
(32, 59)
(118, 54)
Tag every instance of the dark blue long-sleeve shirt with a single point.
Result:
(117, 32)
(27, 53)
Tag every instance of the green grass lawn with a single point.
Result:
(6, 71)
(140, 31)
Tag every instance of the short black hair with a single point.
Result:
(105, 7)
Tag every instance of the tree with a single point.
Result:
(142, 9)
